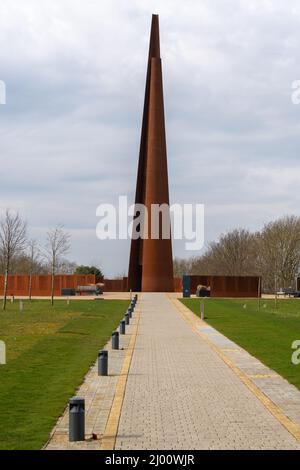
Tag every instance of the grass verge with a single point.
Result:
(267, 334)
(49, 351)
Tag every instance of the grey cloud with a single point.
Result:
(69, 134)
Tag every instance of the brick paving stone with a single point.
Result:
(181, 395)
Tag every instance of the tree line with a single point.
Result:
(20, 255)
(272, 253)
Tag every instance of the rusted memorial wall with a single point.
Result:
(121, 285)
(177, 284)
(115, 285)
(227, 286)
(18, 285)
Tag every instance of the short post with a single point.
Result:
(76, 419)
(115, 340)
(103, 362)
(127, 318)
(122, 327)
(21, 306)
(202, 310)
(259, 293)
(130, 311)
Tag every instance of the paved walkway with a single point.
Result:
(179, 384)
(180, 394)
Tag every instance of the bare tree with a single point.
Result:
(234, 254)
(182, 266)
(66, 267)
(12, 243)
(33, 260)
(273, 253)
(280, 252)
(121, 275)
(57, 245)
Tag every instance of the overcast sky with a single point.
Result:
(75, 75)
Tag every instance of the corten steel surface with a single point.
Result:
(151, 262)
(115, 285)
(227, 286)
(18, 285)
(177, 284)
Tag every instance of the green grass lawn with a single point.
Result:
(266, 334)
(49, 350)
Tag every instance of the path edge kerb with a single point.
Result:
(108, 440)
(193, 321)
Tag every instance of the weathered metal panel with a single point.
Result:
(18, 285)
(228, 286)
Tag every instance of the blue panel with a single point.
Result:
(186, 286)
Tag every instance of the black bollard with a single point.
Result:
(130, 311)
(76, 419)
(103, 362)
(115, 340)
(122, 327)
(127, 318)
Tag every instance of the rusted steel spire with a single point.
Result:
(151, 263)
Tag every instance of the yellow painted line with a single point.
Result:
(263, 376)
(195, 321)
(108, 439)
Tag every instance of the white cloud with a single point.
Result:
(69, 133)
